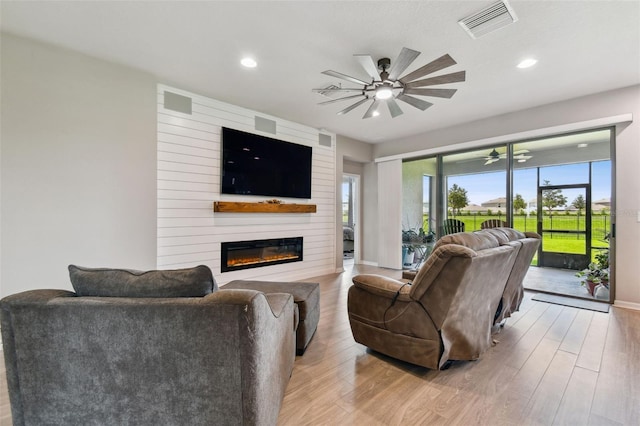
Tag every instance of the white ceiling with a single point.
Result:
(582, 47)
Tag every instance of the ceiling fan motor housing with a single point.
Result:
(384, 63)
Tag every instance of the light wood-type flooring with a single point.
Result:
(551, 365)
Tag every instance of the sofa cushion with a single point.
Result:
(106, 282)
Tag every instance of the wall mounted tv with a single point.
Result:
(258, 165)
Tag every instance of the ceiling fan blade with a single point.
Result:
(520, 151)
(490, 161)
(345, 77)
(438, 93)
(418, 103)
(340, 99)
(369, 66)
(441, 79)
(394, 108)
(373, 108)
(433, 66)
(340, 89)
(404, 59)
(349, 108)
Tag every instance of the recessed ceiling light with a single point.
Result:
(583, 145)
(249, 62)
(529, 62)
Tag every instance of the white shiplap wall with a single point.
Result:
(190, 233)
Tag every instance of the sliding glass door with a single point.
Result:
(559, 187)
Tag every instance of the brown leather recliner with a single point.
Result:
(446, 313)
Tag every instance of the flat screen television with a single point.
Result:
(258, 165)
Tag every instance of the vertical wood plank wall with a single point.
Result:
(190, 233)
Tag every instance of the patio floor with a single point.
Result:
(554, 280)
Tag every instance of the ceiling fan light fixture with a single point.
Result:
(384, 92)
(375, 113)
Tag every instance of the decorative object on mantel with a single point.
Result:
(273, 201)
(261, 207)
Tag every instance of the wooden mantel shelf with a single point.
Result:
(238, 207)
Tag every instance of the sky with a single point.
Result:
(487, 186)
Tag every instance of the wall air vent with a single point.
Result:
(265, 125)
(489, 19)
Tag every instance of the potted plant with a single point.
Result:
(408, 253)
(416, 236)
(597, 273)
(414, 242)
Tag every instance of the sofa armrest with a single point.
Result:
(36, 296)
(530, 234)
(25, 298)
(382, 286)
(277, 301)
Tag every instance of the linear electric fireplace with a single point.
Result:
(238, 255)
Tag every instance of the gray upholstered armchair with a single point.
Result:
(197, 356)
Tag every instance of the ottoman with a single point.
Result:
(306, 297)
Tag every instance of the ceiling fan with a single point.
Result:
(519, 156)
(386, 85)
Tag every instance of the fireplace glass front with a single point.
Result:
(238, 255)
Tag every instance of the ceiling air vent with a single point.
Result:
(489, 19)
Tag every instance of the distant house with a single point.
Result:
(496, 203)
(532, 206)
(603, 202)
(474, 208)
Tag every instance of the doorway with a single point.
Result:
(566, 238)
(350, 215)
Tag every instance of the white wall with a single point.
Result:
(78, 165)
(390, 214)
(190, 233)
(412, 194)
(627, 158)
(370, 224)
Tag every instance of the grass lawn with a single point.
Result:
(559, 243)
